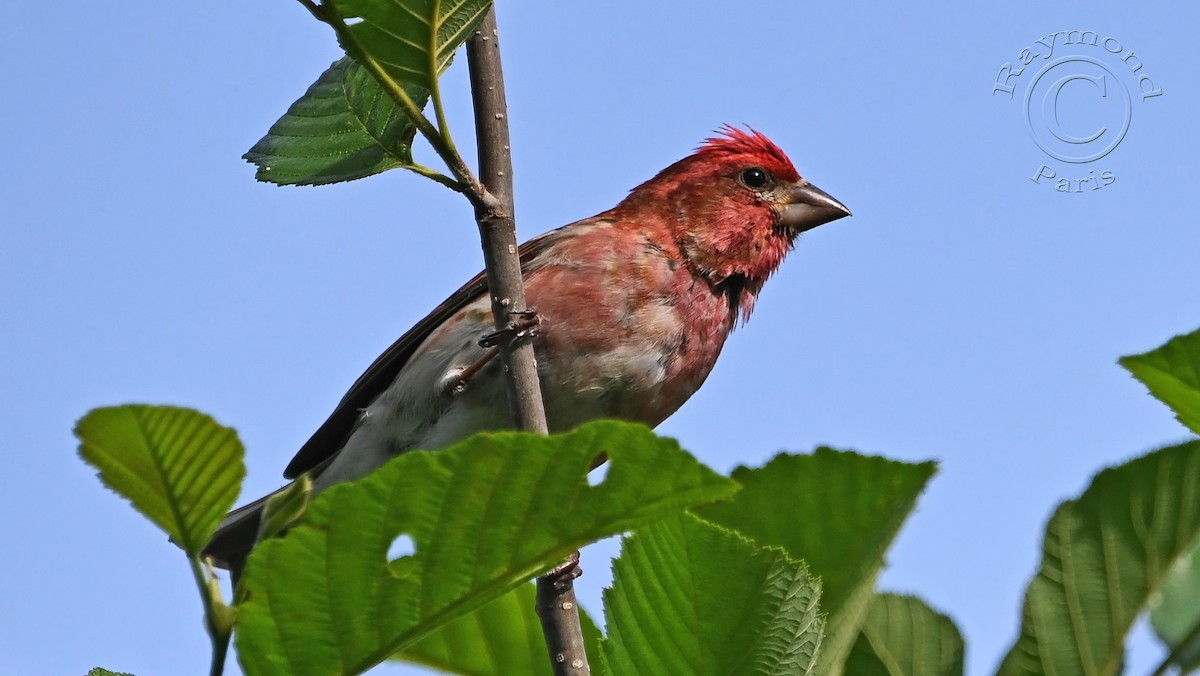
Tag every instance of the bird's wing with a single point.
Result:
(330, 437)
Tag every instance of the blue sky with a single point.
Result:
(965, 313)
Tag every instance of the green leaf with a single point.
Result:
(177, 466)
(412, 39)
(97, 671)
(689, 597)
(1175, 609)
(345, 127)
(483, 517)
(503, 637)
(1103, 557)
(837, 511)
(1172, 374)
(905, 637)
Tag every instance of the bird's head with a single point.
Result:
(734, 207)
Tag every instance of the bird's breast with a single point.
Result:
(626, 332)
(635, 343)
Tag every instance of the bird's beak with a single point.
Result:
(807, 206)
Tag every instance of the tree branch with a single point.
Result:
(559, 612)
(556, 604)
(497, 225)
(492, 196)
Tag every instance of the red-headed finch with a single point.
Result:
(634, 307)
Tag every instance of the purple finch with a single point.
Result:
(634, 307)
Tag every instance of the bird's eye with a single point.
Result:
(755, 178)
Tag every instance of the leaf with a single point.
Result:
(347, 126)
(177, 466)
(503, 637)
(98, 671)
(344, 127)
(903, 636)
(483, 516)
(838, 511)
(1103, 557)
(413, 40)
(1172, 374)
(1175, 609)
(689, 597)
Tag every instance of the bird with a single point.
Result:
(633, 307)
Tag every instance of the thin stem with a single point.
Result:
(435, 175)
(435, 89)
(314, 9)
(216, 617)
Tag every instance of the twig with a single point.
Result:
(314, 9)
(559, 612)
(497, 224)
(491, 195)
(556, 605)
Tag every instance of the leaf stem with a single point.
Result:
(435, 175)
(218, 617)
(435, 88)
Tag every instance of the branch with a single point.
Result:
(492, 196)
(497, 225)
(315, 9)
(556, 604)
(559, 612)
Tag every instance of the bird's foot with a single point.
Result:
(456, 382)
(522, 325)
(565, 572)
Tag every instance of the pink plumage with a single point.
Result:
(635, 305)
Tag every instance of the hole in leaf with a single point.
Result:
(599, 470)
(351, 20)
(401, 547)
(400, 555)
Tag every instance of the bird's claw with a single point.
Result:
(522, 325)
(565, 572)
